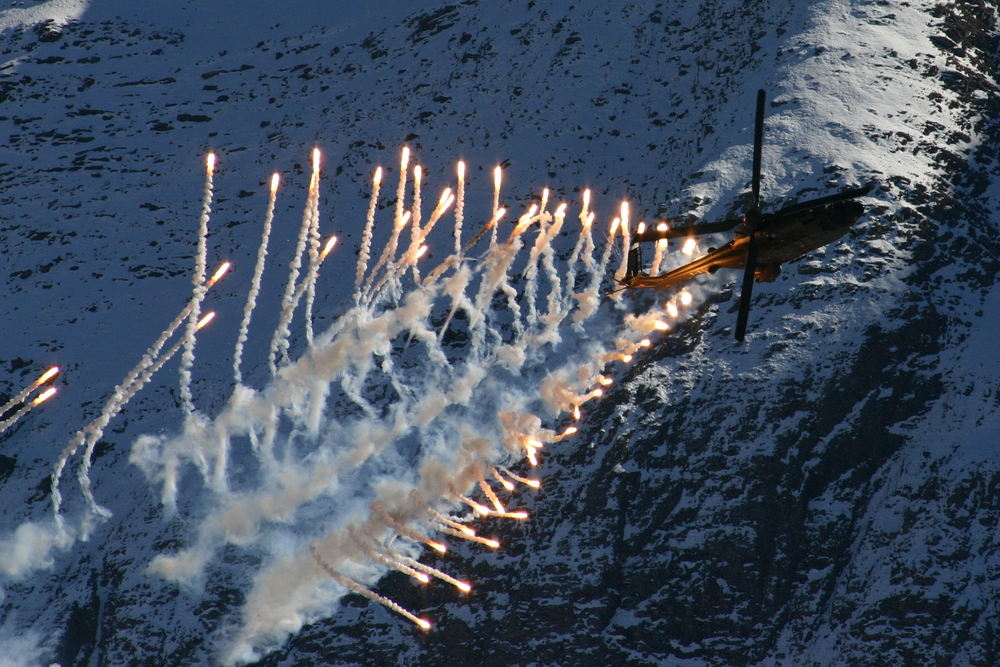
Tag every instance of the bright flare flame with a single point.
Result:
(627, 358)
(491, 543)
(203, 322)
(662, 227)
(686, 298)
(662, 244)
(672, 309)
(614, 226)
(689, 247)
(506, 483)
(570, 430)
(219, 273)
(46, 376)
(210, 161)
(44, 396)
(644, 342)
(275, 181)
(421, 251)
(424, 624)
(377, 178)
(405, 159)
(607, 382)
(461, 170)
(437, 546)
(481, 510)
(315, 159)
(589, 221)
(328, 248)
(661, 326)
(641, 228)
(497, 177)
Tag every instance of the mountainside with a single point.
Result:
(827, 492)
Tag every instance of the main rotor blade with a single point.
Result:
(758, 145)
(852, 193)
(652, 234)
(747, 291)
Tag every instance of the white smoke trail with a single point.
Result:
(497, 177)
(123, 392)
(279, 341)
(258, 272)
(460, 207)
(91, 433)
(531, 269)
(574, 256)
(658, 255)
(366, 236)
(375, 290)
(554, 313)
(415, 231)
(398, 221)
(589, 299)
(22, 395)
(10, 421)
(396, 270)
(392, 437)
(198, 279)
(626, 241)
(313, 270)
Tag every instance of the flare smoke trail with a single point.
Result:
(123, 393)
(400, 218)
(187, 357)
(626, 242)
(279, 341)
(93, 431)
(531, 270)
(24, 393)
(393, 438)
(497, 176)
(258, 272)
(415, 240)
(38, 400)
(366, 236)
(313, 271)
(460, 207)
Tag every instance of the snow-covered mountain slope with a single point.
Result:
(825, 493)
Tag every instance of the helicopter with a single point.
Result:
(761, 242)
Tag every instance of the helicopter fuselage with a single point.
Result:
(784, 238)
